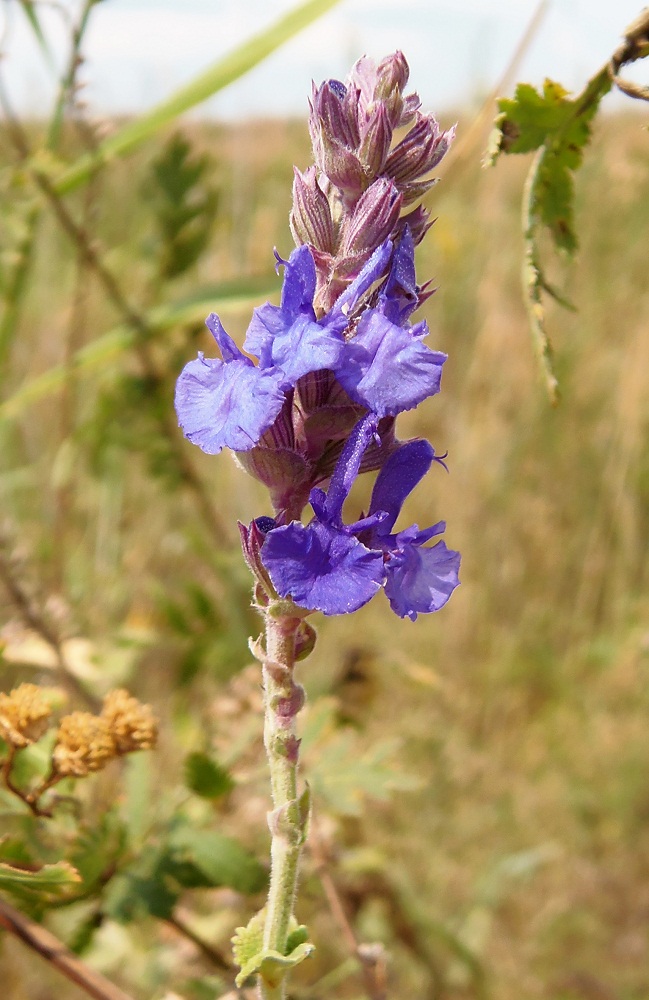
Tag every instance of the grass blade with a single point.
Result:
(224, 72)
(111, 345)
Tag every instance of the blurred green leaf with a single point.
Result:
(340, 771)
(222, 860)
(31, 13)
(147, 887)
(184, 206)
(205, 777)
(230, 68)
(48, 882)
(187, 858)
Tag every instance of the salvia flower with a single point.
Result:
(313, 395)
(336, 568)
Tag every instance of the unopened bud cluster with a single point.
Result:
(354, 197)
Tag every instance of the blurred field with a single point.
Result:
(516, 862)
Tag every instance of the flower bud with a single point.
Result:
(344, 170)
(310, 218)
(305, 639)
(392, 77)
(375, 143)
(419, 152)
(332, 115)
(373, 219)
(253, 536)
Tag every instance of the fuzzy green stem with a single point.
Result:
(282, 700)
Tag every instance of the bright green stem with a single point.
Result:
(282, 701)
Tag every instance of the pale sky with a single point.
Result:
(139, 51)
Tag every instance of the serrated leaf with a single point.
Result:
(205, 777)
(559, 125)
(247, 941)
(526, 120)
(48, 882)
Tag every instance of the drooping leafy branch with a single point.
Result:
(558, 127)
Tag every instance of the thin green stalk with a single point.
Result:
(68, 80)
(282, 701)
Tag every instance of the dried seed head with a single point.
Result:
(131, 724)
(24, 715)
(84, 743)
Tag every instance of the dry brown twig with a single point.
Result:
(48, 946)
(372, 957)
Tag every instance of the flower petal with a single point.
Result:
(223, 405)
(421, 580)
(387, 367)
(322, 568)
(398, 478)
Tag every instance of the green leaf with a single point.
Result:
(560, 125)
(205, 777)
(184, 205)
(220, 859)
(48, 882)
(30, 11)
(340, 771)
(224, 72)
(247, 941)
(273, 966)
(526, 120)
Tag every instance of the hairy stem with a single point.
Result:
(282, 700)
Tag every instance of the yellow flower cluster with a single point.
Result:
(132, 725)
(85, 742)
(24, 715)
